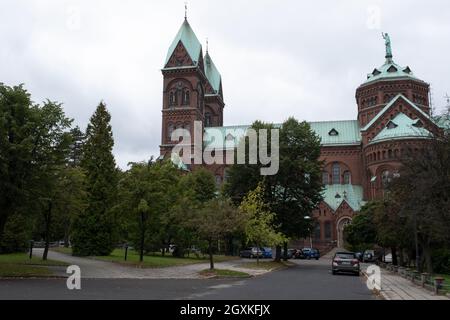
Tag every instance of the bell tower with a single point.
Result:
(183, 86)
(192, 88)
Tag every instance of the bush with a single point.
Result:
(440, 259)
(16, 236)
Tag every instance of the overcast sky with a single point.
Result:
(277, 58)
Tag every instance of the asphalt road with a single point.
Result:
(306, 280)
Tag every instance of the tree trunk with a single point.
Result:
(257, 254)
(3, 218)
(401, 257)
(394, 256)
(277, 253)
(427, 257)
(141, 254)
(285, 247)
(48, 219)
(211, 261)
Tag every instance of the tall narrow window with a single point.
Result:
(172, 98)
(317, 232)
(169, 132)
(336, 173)
(207, 119)
(327, 230)
(347, 177)
(325, 178)
(185, 97)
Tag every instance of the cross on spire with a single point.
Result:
(206, 45)
(185, 10)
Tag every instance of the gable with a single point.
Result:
(180, 57)
(399, 104)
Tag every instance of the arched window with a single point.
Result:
(347, 177)
(336, 173)
(172, 98)
(325, 178)
(385, 178)
(327, 230)
(185, 97)
(170, 129)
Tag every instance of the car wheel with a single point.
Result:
(251, 256)
(309, 258)
(317, 258)
(333, 272)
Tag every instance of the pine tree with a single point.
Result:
(94, 229)
(76, 147)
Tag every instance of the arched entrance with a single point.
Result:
(342, 222)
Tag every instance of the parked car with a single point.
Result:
(359, 256)
(369, 256)
(345, 262)
(311, 253)
(251, 252)
(266, 252)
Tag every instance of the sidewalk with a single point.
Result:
(98, 269)
(395, 287)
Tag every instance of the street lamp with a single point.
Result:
(309, 231)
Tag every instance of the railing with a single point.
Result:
(430, 282)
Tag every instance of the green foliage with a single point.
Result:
(17, 234)
(259, 229)
(94, 230)
(202, 183)
(215, 220)
(441, 260)
(295, 191)
(361, 234)
(34, 145)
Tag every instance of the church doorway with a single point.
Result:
(342, 222)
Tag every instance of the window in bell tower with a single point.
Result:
(185, 97)
(207, 119)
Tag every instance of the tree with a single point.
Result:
(76, 147)
(19, 120)
(361, 234)
(148, 192)
(259, 228)
(420, 196)
(201, 182)
(93, 232)
(295, 191)
(216, 219)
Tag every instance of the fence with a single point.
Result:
(430, 282)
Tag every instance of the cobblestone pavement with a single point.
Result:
(97, 269)
(395, 287)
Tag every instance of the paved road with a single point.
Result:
(307, 280)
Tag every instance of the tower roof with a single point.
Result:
(189, 40)
(389, 70)
(212, 73)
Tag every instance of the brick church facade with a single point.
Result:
(360, 155)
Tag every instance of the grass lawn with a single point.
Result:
(151, 261)
(19, 265)
(224, 273)
(266, 265)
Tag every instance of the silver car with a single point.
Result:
(345, 262)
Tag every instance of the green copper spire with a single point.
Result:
(189, 40)
(212, 73)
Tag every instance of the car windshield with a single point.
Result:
(345, 255)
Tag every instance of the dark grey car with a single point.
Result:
(345, 262)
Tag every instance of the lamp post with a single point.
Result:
(309, 231)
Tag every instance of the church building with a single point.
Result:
(360, 155)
